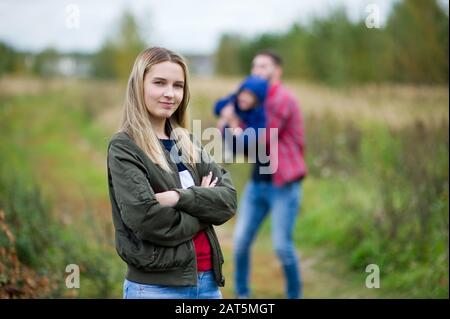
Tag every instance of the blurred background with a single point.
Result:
(372, 81)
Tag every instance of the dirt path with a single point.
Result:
(323, 276)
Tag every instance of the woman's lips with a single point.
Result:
(167, 105)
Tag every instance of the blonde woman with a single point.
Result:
(166, 192)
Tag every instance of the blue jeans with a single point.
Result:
(284, 203)
(206, 289)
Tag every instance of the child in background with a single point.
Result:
(243, 110)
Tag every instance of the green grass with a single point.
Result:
(363, 199)
(53, 175)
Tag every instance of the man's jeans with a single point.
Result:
(284, 203)
(206, 288)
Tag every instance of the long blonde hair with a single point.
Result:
(135, 119)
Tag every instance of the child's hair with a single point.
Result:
(135, 119)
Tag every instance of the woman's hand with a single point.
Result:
(169, 198)
(206, 181)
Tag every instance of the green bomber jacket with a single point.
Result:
(155, 240)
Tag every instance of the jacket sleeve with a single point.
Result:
(212, 205)
(250, 121)
(139, 209)
(221, 103)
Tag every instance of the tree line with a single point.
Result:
(411, 47)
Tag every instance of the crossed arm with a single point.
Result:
(168, 218)
(171, 198)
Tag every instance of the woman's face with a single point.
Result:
(163, 89)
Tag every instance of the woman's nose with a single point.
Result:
(168, 92)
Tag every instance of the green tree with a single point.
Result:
(104, 60)
(293, 50)
(418, 32)
(413, 47)
(44, 62)
(227, 60)
(7, 58)
(117, 55)
(329, 47)
(11, 61)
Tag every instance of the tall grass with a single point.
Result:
(386, 200)
(43, 233)
(377, 190)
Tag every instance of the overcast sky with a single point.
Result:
(188, 26)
